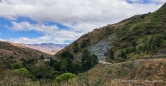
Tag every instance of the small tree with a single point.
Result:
(76, 49)
(123, 55)
(111, 54)
(94, 60)
(88, 60)
(64, 65)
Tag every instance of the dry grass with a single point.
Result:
(16, 51)
(150, 72)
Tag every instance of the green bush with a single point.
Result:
(16, 66)
(65, 77)
(23, 72)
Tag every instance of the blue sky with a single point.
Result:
(63, 21)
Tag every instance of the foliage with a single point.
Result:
(151, 44)
(122, 54)
(108, 31)
(76, 49)
(22, 71)
(44, 71)
(88, 60)
(111, 54)
(66, 61)
(85, 43)
(16, 65)
(65, 77)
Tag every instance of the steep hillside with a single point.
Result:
(17, 52)
(133, 73)
(48, 48)
(141, 36)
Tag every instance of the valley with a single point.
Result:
(131, 52)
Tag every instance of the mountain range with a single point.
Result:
(49, 48)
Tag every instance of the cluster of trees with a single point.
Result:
(54, 68)
(88, 60)
(67, 63)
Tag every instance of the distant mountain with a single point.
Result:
(17, 52)
(49, 48)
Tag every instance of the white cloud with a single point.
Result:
(88, 15)
(52, 34)
(68, 11)
(25, 26)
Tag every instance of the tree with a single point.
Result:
(66, 61)
(68, 56)
(44, 71)
(76, 49)
(88, 60)
(85, 60)
(94, 60)
(64, 65)
(123, 54)
(111, 54)
(76, 67)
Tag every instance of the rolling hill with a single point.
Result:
(15, 51)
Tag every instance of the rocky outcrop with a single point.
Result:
(101, 47)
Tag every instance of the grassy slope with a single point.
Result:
(10, 52)
(16, 51)
(104, 74)
(134, 29)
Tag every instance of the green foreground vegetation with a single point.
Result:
(53, 71)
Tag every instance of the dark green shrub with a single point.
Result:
(85, 43)
(16, 66)
(76, 49)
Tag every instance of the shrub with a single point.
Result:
(85, 43)
(23, 72)
(65, 77)
(76, 49)
(16, 66)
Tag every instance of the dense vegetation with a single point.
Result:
(57, 71)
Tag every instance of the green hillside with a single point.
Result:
(141, 36)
